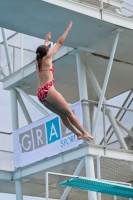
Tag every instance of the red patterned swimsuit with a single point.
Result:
(42, 92)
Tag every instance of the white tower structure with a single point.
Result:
(94, 65)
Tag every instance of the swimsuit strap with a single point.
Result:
(44, 70)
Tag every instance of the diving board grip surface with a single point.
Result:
(99, 186)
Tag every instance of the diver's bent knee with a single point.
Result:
(69, 114)
(63, 117)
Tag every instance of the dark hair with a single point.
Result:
(41, 51)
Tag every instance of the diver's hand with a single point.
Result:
(70, 26)
(48, 36)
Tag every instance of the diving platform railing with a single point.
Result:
(106, 4)
(114, 6)
(118, 7)
(11, 51)
(127, 132)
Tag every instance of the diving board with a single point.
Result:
(99, 186)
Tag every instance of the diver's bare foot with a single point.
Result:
(86, 136)
(79, 136)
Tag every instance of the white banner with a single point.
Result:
(44, 138)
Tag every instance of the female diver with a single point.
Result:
(47, 94)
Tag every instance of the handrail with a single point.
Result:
(129, 95)
(109, 105)
(1, 132)
(105, 105)
(131, 11)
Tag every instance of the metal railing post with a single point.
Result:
(104, 130)
(46, 182)
(101, 8)
(14, 109)
(98, 174)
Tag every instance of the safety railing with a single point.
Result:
(20, 56)
(127, 9)
(105, 4)
(119, 7)
(122, 123)
(5, 133)
(17, 56)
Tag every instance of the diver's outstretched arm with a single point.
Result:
(63, 37)
(60, 41)
(47, 39)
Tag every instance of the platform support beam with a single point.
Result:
(85, 108)
(90, 173)
(14, 109)
(22, 55)
(24, 109)
(32, 101)
(15, 125)
(18, 188)
(92, 115)
(76, 173)
(83, 93)
(108, 111)
(106, 80)
(6, 50)
(98, 174)
(47, 187)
